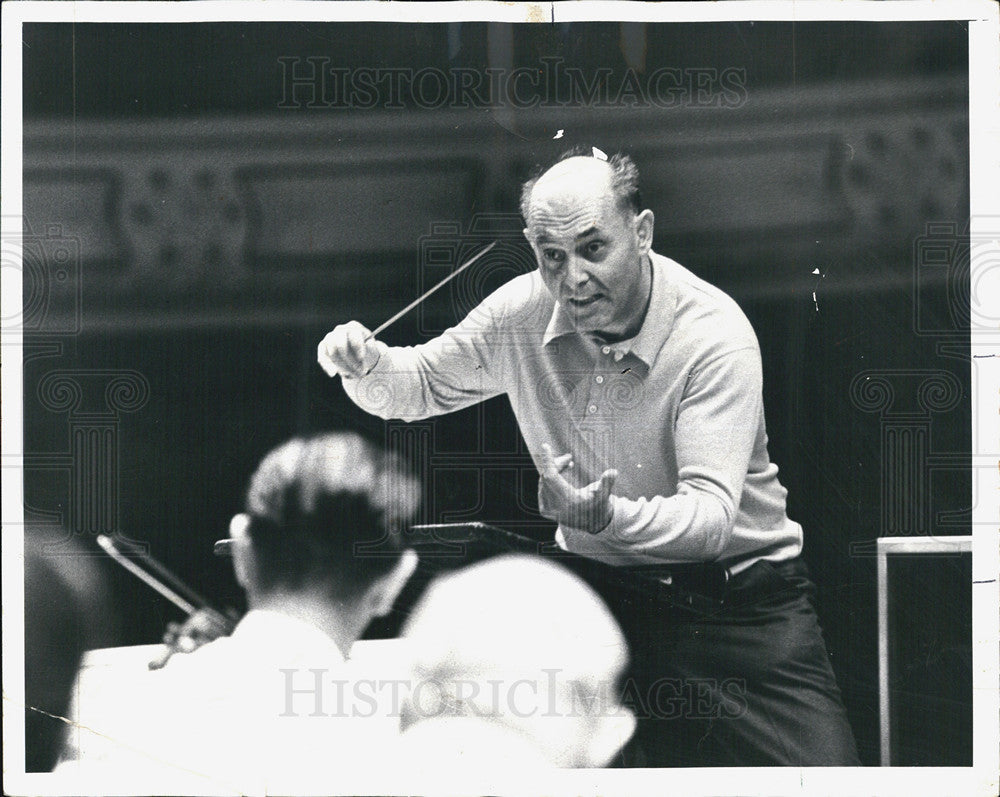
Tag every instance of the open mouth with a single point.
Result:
(584, 302)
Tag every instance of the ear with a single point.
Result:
(385, 591)
(644, 229)
(241, 550)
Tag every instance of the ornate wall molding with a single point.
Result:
(283, 218)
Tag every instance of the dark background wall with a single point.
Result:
(201, 207)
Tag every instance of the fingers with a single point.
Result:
(588, 508)
(160, 661)
(326, 353)
(171, 634)
(564, 462)
(553, 489)
(347, 351)
(202, 627)
(552, 465)
(601, 489)
(207, 623)
(547, 465)
(606, 483)
(170, 638)
(602, 506)
(356, 344)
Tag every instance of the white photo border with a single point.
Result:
(984, 122)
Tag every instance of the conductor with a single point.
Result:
(637, 387)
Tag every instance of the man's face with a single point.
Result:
(591, 251)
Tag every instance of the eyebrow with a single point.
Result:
(589, 231)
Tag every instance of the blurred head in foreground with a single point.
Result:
(524, 645)
(67, 610)
(320, 534)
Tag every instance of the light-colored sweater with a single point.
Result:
(677, 411)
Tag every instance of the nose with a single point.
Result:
(576, 273)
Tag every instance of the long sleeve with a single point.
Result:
(450, 372)
(677, 412)
(715, 434)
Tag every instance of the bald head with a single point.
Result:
(580, 175)
(616, 177)
(522, 644)
(514, 614)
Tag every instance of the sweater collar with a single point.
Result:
(656, 327)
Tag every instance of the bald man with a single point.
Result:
(637, 387)
(502, 687)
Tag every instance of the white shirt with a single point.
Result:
(273, 703)
(468, 746)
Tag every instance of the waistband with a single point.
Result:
(695, 584)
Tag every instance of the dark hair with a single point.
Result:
(624, 178)
(67, 610)
(327, 511)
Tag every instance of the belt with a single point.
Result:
(682, 583)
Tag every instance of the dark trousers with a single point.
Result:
(741, 682)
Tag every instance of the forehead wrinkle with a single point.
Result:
(567, 232)
(575, 225)
(570, 211)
